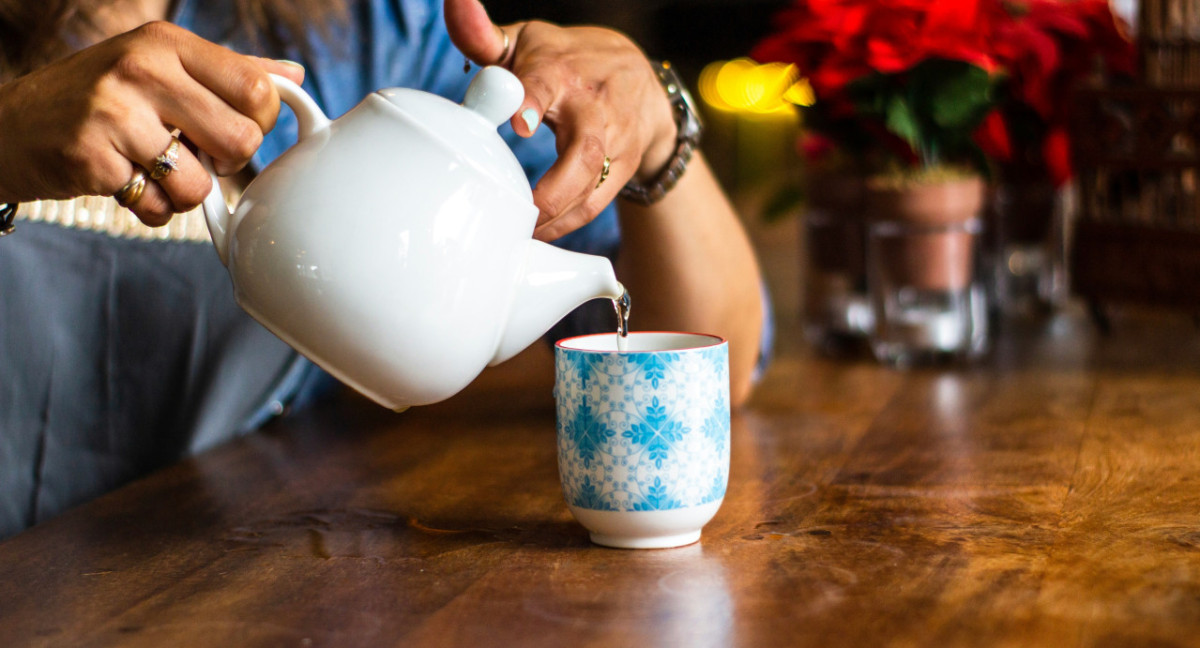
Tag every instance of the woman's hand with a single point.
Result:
(80, 125)
(598, 93)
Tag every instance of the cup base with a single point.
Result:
(646, 529)
(658, 542)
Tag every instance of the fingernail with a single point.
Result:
(291, 64)
(531, 118)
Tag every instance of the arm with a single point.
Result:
(689, 266)
(686, 260)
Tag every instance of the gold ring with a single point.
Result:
(132, 192)
(604, 171)
(507, 44)
(167, 162)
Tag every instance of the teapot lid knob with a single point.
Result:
(495, 94)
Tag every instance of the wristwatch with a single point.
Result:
(689, 127)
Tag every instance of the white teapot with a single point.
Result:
(393, 246)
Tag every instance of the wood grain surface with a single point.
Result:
(1049, 496)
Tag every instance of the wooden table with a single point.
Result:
(1049, 496)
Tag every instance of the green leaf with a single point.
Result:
(956, 94)
(902, 121)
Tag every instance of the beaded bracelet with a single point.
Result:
(8, 212)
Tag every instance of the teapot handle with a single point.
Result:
(311, 120)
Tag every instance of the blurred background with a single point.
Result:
(1121, 222)
(691, 31)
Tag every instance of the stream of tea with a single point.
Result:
(622, 306)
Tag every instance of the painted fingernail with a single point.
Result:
(531, 118)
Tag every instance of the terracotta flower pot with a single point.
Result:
(935, 241)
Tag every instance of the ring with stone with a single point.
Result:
(167, 162)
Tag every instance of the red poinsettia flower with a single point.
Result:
(815, 147)
(1048, 48)
(836, 42)
(911, 75)
(871, 67)
(1056, 151)
(993, 137)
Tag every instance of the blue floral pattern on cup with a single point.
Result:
(645, 430)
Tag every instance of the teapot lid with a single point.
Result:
(470, 129)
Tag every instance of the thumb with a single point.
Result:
(474, 33)
(288, 69)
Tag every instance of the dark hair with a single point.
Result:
(33, 34)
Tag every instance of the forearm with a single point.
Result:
(689, 265)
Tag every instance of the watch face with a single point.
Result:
(694, 124)
(689, 122)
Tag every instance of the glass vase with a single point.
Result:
(836, 312)
(1027, 247)
(928, 302)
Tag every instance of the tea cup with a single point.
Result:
(643, 435)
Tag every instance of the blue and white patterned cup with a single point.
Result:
(643, 435)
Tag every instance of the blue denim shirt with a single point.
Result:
(385, 43)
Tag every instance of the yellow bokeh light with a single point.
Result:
(708, 86)
(741, 85)
(800, 93)
(731, 83)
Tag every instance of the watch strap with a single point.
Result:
(688, 127)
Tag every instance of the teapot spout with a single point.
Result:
(554, 283)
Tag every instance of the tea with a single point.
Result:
(622, 305)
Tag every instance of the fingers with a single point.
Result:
(175, 190)
(146, 199)
(202, 112)
(541, 92)
(589, 204)
(476, 36)
(576, 105)
(572, 193)
(154, 207)
(79, 126)
(596, 90)
(290, 70)
(580, 132)
(223, 102)
(238, 80)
